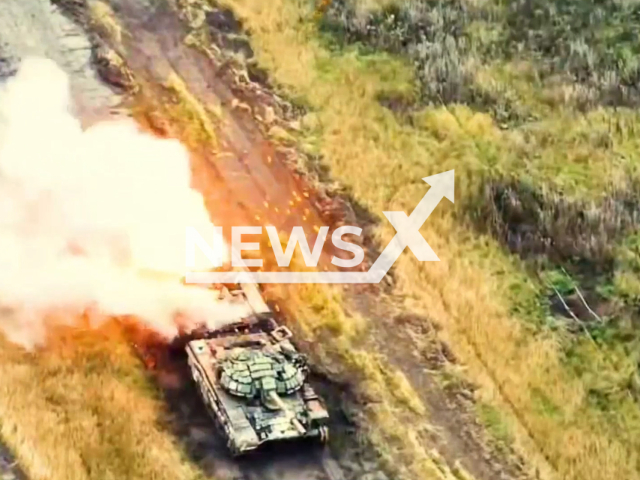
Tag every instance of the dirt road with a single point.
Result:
(243, 177)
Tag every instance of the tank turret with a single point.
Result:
(265, 375)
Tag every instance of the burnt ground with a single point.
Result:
(247, 178)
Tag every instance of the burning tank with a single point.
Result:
(254, 381)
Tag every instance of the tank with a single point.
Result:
(255, 383)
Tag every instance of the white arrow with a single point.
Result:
(408, 227)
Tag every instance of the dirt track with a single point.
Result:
(245, 178)
(245, 181)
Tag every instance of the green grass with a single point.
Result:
(556, 162)
(492, 419)
(561, 174)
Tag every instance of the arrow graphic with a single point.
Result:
(408, 228)
(407, 235)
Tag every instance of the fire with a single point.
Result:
(85, 215)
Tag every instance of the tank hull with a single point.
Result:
(248, 422)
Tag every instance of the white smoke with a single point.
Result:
(86, 215)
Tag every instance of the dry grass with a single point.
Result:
(468, 292)
(82, 409)
(171, 110)
(105, 22)
(190, 111)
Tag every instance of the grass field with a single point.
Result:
(82, 408)
(556, 166)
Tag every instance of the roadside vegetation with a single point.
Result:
(531, 104)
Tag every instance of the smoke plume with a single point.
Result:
(91, 219)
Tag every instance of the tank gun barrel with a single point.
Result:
(273, 396)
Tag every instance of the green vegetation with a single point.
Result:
(492, 419)
(583, 51)
(529, 107)
(562, 176)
